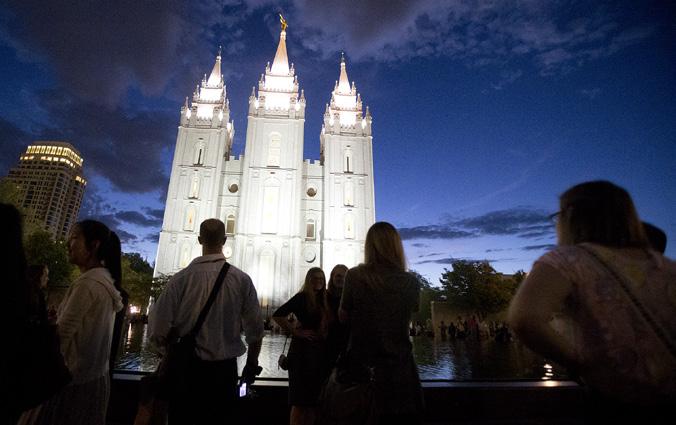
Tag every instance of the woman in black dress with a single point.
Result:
(379, 297)
(307, 353)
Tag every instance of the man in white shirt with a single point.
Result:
(211, 391)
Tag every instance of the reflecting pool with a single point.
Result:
(437, 358)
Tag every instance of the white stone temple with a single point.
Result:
(283, 214)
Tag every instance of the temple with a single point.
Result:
(283, 214)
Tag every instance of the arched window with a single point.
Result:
(230, 225)
(348, 165)
(189, 222)
(194, 187)
(266, 276)
(274, 150)
(348, 193)
(184, 256)
(199, 154)
(349, 226)
(270, 206)
(310, 229)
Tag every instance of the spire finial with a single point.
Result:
(283, 22)
(342, 57)
(220, 50)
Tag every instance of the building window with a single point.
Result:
(349, 226)
(348, 165)
(274, 150)
(199, 154)
(230, 225)
(195, 187)
(270, 206)
(184, 259)
(311, 192)
(266, 267)
(348, 193)
(310, 229)
(189, 222)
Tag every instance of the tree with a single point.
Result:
(10, 193)
(428, 293)
(475, 285)
(40, 248)
(137, 279)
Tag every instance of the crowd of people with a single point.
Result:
(469, 327)
(601, 304)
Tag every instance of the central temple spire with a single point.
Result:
(215, 77)
(280, 66)
(343, 83)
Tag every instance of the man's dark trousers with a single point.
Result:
(209, 396)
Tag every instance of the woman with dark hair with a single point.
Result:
(338, 333)
(307, 353)
(602, 304)
(85, 322)
(379, 298)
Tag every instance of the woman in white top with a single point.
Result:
(85, 325)
(603, 304)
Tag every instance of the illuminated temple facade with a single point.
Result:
(283, 214)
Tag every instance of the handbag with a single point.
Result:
(39, 369)
(348, 396)
(173, 368)
(283, 361)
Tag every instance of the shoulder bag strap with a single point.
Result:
(212, 297)
(622, 280)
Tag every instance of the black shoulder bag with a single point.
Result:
(181, 351)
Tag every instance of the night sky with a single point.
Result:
(484, 111)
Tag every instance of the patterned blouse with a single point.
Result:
(623, 356)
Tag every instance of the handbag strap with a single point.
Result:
(624, 284)
(285, 340)
(212, 297)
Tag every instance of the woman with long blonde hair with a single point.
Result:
(307, 353)
(379, 298)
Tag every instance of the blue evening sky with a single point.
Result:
(484, 111)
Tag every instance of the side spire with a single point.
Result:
(280, 66)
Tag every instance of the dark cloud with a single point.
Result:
(13, 142)
(155, 213)
(135, 217)
(555, 36)
(99, 49)
(449, 260)
(514, 221)
(125, 237)
(545, 247)
(521, 221)
(123, 147)
(152, 237)
(432, 232)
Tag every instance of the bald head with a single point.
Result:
(212, 233)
